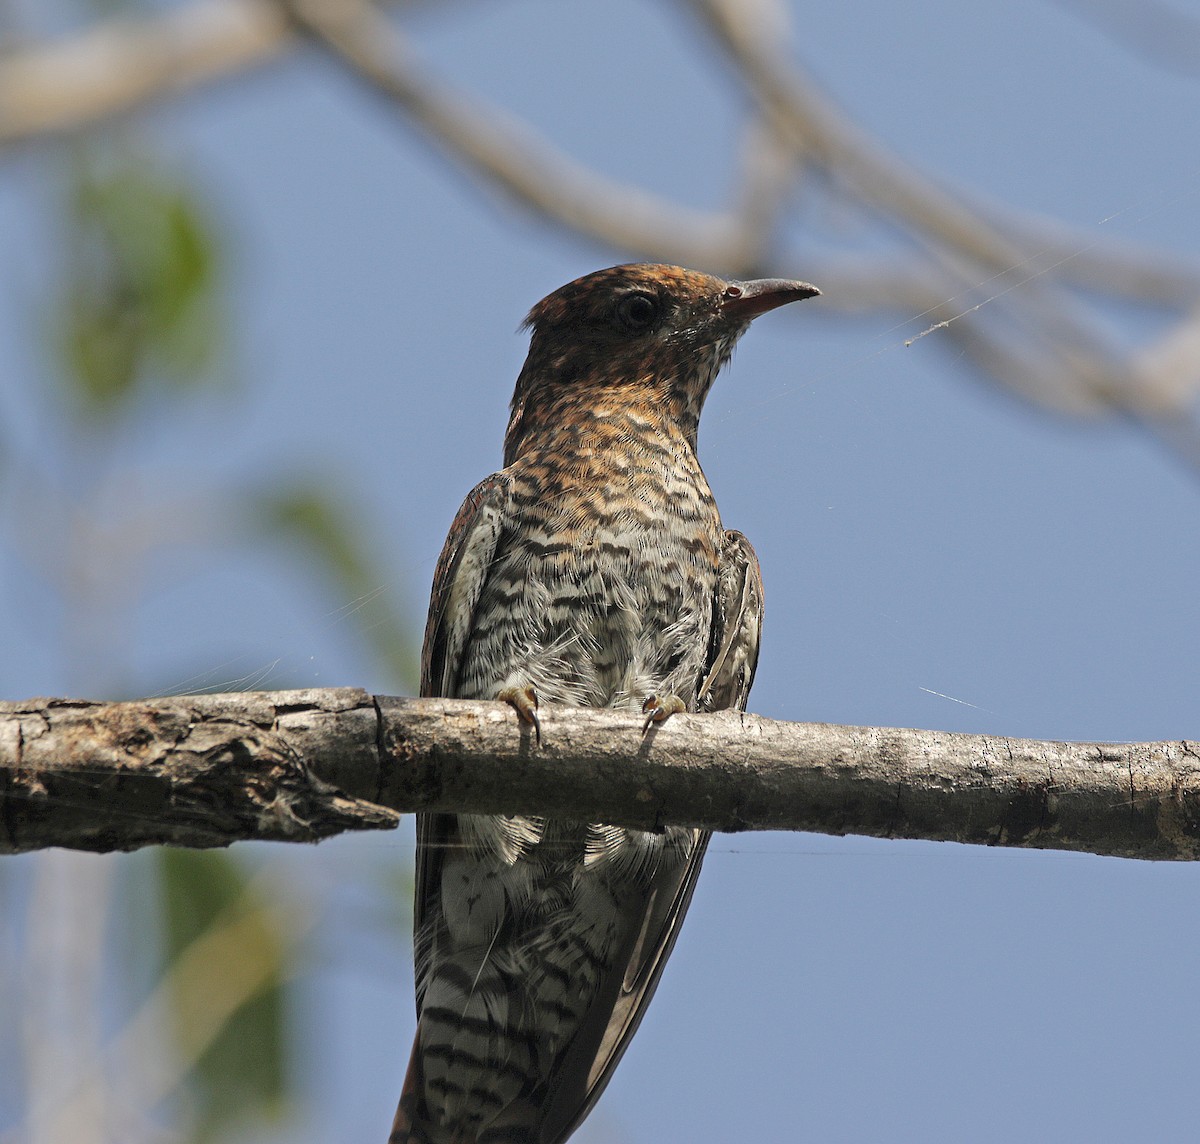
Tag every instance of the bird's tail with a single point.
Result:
(410, 1125)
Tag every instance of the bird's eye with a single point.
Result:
(636, 313)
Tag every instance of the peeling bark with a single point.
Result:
(302, 765)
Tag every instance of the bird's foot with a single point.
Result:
(660, 708)
(524, 701)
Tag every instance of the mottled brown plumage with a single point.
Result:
(591, 570)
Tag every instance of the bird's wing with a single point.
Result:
(737, 628)
(458, 582)
(600, 1043)
(457, 585)
(589, 1061)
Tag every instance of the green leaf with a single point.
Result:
(140, 305)
(227, 962)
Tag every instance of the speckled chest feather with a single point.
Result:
(601, 587)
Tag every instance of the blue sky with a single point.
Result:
(936, 554)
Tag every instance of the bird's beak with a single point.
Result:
(746, 300)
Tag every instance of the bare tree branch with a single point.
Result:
(1163, 36)
(988, 262)
(301, 765)
(510, 157)
(126, 62)
(122, 64)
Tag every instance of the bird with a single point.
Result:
(592, 570)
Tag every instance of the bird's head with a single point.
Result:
(639, 334)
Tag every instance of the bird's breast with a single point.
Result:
(602, 588)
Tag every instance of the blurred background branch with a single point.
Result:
(999, 285)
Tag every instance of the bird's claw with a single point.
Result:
(660, 708)
(524, 701)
